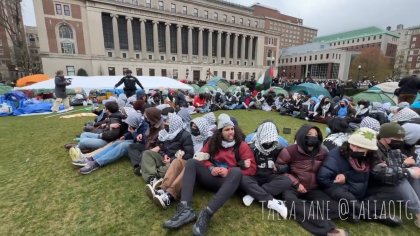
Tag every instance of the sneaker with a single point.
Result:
(150, 192)
(155, 182)
(202, 223)
(89, 168)
(278, 206)
(82, 162)
(137, 171)
(75, 154)
(162, 200)
(184, 215)
(247, 200)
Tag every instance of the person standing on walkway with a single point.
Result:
(129, 84)
(60, 91)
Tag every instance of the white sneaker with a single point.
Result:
(156, 183)
(75, 154)
(150, 192)
(162, 200)
(278, 206)
(247, 199)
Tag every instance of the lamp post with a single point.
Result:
(358, 72)
(284, 73)
(187, 71)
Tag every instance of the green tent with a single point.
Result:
(5, 89)
(206, 88)
(219, 82)
(195, 87)
(310, 89)
(374, 96)
(277, 90)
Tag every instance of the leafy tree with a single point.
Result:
(374, 65)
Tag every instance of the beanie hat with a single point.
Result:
(224, 120)
(370, 123)
(210, 117)
(364, 138)
(389, 130)
(404, 114)
(133, 119)
(111, 106)
(403, 105)
(412, 133)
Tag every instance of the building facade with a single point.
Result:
(179, 39)
(407, 61)
(289, 29)
(32, 40)
(357, 40)
(315, 60)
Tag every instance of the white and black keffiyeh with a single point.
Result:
(266, 133)
(175, 126)
(204, 128)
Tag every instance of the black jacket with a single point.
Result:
(129, 83)
(409, 85)
(110, 135)
(182, 142)
(356, 181)
(262, 160)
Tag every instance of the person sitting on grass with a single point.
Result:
(155, 162)
(230, 159)
(304, 160)
(136, 131)
(338, 131)
(344, 110)
(170, 188)
(267, 182)
(112, 131)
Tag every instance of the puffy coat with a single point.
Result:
(60, 87)
(183, 142)
(356, 181)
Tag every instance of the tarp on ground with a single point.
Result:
(88, 83)
(5, 89)
(387, 88)
(310, 89)
(31, 79)
(374, 96)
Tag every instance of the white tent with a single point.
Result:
(88, 83)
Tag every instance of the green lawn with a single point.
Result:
(43, 194)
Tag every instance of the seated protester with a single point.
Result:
(324, 111)
(403, 115)
(370, 123)
(186, 117)
(170, 189)
(122, 100)
(230, 159)
(190, 98)
(287, 106)
(278, 102)
(199, 102)
(154, 98)
(239, 100)
(304, 160)
(362, 111)
(269, 101)
(179, 99)
(412, 141)
(172, 138)
(91, 141)
(267, 182)
(259, 101)
(249, 101)
(211, 119)
(136, 131)
(152, 116)
(338, 132)
(230, 101)
(378, 113)
(394, 176)
(219, 101)
(344, 110)
(345, 173)
(297, 106)
(166, 111)
(309, 113)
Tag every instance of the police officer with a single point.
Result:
(129, 84)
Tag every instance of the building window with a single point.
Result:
(173, 8)
(249, 23)
(206, 14)
(137, 56)
(149, 3)
(161, 6)
(124, 55)
(58, 9)
(1, 51)
(122, 33)
(164, 73)
(233, 20)
(256, 24)
(224, 18)
(241, 21)
(175, 74)
(70, 70)
(66, 10)
(111, 70)
(151, 72)
(66, 39)
(216, 16)
(139, 71)
(184, 10)
(195, 13)
(108, 31)
(109, 54)
(321, 56)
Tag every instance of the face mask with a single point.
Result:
(267, 145)
(362, 106)
(328, 130)
(167, 128)
(342, 105)
(312, 141)
(195, 132)
(357, 154)
(396, 144)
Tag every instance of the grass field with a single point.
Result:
(41, 193)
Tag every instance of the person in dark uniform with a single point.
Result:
(129, 84)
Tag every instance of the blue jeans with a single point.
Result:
(112, 153)
(90, 140)
(204, 109)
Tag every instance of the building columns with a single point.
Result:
(190, 45)
(130, 37)
(178, 42)
(210, 47)
(200, 44)
(116, 35)
(235, 49)
(251, 39)
(227, 53)
(243, 49)
(219, 46)
(168, 40)
(143, 39)
(156, 40)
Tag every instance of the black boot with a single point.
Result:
(184, 215)
(387, 220)
(200, 227)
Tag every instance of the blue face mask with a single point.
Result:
(328, 130)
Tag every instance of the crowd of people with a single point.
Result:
(369, 156)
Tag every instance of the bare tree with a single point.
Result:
(11, 21)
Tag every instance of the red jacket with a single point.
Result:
(227, 155)
(198, 102)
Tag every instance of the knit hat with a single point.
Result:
(364, 138)
(412, 133)
(224, 120)
(389, 130)
(153, 115)
(134, 119)
(404, 115)
(210, 117)
(370, 123)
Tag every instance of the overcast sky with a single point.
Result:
(328, 16)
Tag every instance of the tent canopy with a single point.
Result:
(31, 79)
(387, 88)
(310, 89)
(88, 83)
(374, 96)
(219, 82)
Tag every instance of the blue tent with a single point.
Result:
(310, 89)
